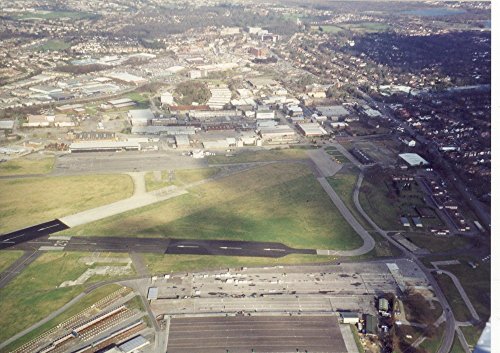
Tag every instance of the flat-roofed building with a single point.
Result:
(265, 114)
(332, 111)
(102, 146)
(37, 121)
(133, 344)
(348, 317)
(277, 132)
(182, 141)
(413, 159)
(152, 293)
(312, 129)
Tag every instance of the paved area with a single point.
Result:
(324, 162)
(30, 233)
(17, 267)
(349, 341)
(257, 334)
(113, 162)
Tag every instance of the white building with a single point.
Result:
(140, 117)
(312, 129)
(265, 115)
(166, 98)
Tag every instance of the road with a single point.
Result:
(17, 267)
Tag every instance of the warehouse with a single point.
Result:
(182, 141)
(332, 111)
(312, 129)
(164, 130)
(277, 132)
(348, 317)
(103, 146)
(413, 159)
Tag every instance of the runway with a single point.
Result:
(31, 233)
(156, 245)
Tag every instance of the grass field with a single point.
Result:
(29, 201)
(260, 156)
(84, 303)
(159, 264)
(477, 285)
(8, 257)
(179, 177)
(276, 202)
(34, 294)
(54, 45)
(457, 304)
(432, 344)
(472, 334)
(25, 165)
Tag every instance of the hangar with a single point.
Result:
(103, 146)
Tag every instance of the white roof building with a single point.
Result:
(312, 129)
(413, 159)
(140, 117)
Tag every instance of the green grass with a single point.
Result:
(27, 165)
(432, 344)
(170, 263)
(452, 294)
(29, 201)
(259, 156)
(457, 346)
(354, 331)
(8, 257)
(54, 45)
(435, 243)
(81, 305)
(277, 202)
(180, 177)
(471, 334)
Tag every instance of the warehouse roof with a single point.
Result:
(133, 344)
(88, 145)
(312, 129)
(333, 110)
(141, 114)
(153, 293)
(413, 159)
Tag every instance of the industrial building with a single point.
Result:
(312, 129)
(332, 111)
(140, 117)
(164, 130)
(182, 141)
(277, 132)
(104, 146)
(349, 317)
(219, 98)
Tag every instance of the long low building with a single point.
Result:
(101, 146)
(277, 132)
(164, 130)
(413, 159)
(312, 129)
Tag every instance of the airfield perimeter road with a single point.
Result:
(261, 334)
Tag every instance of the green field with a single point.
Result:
(34, 293)
(327, 29)
(55, 15)
(81, 305)
(366, 27)
(432, 344)
(452, 294)
(277, 202)
(260, 156)
(179, 177)
(8, 257)
(27, 165)
(54, 45)
(435, 243)
(158, 264)
(29, 201)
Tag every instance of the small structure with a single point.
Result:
(405, 222)
(370, 325)
(152, 293)
(348, 317)
(383, 305)
(182, 141)
(417, 221)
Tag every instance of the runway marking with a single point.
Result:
(230, 248)
(269, 249)
(8, 242)
(52, 226)
(187, 246)
(17, 236)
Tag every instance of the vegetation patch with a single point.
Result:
(453, 296)
(8, 257)
(56, 197)
(259, 156)
(22, 166)
(155, 181)
(191, 91)
(54, 45)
